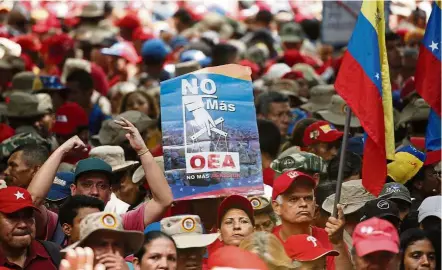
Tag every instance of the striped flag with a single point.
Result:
(428, 81)
(364, 82)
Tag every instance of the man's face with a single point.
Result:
(105, 242)
(47, 122)
(190, 258)
(92, 184)
(380, 260)
(326, 151)
(73, 232)
(432, 182)
(78, 95)
(298, 204)
(263, 222)
(18, 173)
(280, 115)
(17, 229)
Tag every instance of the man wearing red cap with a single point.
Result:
(128, 24)
(322, 139)
(294, 202)
(376, 242)
(18, 248)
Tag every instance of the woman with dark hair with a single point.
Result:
(157, 252)
(140, 101)
(417, 251)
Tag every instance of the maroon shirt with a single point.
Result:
(38, 258)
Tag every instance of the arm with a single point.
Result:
(335, 229)
(42, 181)
(161, 192)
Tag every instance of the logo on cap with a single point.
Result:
(325, 128)
(393, 189)
(288, 162)
(188, 224)
(255, 202)
(109, 221)
(383, 205)
(19, 195)
(292, 174)
(367, 230)
(313, 240)
(314, 134)
(59, 182)
(62, 118)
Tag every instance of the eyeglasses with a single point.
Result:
(89, 184)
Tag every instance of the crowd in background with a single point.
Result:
(81, 159)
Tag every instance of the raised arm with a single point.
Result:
(161, 193)
(42, 181)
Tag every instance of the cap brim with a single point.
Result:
(55, 195)
(424, 214)
(330, 136)
(108, 51)
(328, 205)
(291, 38)
(133, 240)
(314, 107)
(125, 165)
(365, 247)
(194, 240)
(338, 119)
(318, 253)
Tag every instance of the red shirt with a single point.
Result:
(37, 258)
(322, 237)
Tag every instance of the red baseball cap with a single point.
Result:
(57, 47)
(141, 33)
(236, 258)
(69, 117)
(304, 248)
(285, 180)
(28, 42)
(373, 235)
(13, 199)
(6, 132)
(130, 20)
(321, 131)
(238, 202)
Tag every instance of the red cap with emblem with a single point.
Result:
(304, 248)
(285, 180)
(13, 199)
(321, 131)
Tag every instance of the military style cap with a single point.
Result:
(9, 145)
(417, 110)
(395, 191)
(336, 112)
(291, 32)
(320, 98)
(299, 161)
(260, 204)
(24, 105)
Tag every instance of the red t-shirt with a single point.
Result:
(37, 258)
(322, 237)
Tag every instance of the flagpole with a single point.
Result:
(342, 161)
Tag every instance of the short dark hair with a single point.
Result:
(390, 36)
(269, 137)
(184, 16)
(264, 100)
(352, 165)
(69, 209)
(82, 77)
(297, 138)
(33, 154)
(323, 190)
(149, 237)
(264, 16)
(222, 53)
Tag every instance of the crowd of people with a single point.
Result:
(82, 173)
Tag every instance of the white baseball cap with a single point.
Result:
(431, 206)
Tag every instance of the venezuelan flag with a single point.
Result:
(428, 81)
(364, 83)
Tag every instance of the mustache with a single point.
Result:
(22, 232)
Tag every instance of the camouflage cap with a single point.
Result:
(9, 145)
(299, 161)
(26, 81)
(22, 104)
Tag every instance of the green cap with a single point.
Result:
(291, 32)
(299, 161)
(93, 165)
(395, 190)
(9, 145)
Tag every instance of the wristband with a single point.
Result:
(142, 153)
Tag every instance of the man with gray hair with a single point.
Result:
(294, 202)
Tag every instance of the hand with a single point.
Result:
(133, 135)
(113, 261)
(73, 144)
(80, 259)
(335, 227)
(203, 119)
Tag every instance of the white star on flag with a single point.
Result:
(433, 46)
(193, 190)
(228, 184)
(377, 76)
(19, 195)
(249, 182)
(181, 189)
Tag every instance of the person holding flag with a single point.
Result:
(364, 83)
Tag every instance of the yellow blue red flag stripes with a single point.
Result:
(428, 70)
(364, 82)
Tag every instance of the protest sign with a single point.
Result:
(210, 137)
